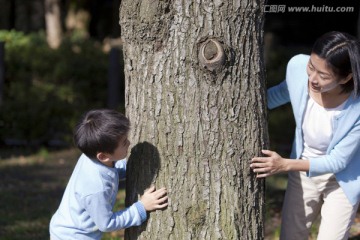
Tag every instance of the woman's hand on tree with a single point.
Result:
(272, 163)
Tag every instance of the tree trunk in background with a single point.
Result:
(53, 23)
(27, 15)
(5, 14)
(195, 95)
(358, 26)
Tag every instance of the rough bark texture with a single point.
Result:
(198, 116)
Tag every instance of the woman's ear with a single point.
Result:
(346, 79)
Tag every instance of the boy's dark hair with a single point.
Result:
(100, 131)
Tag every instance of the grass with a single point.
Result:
(31, 188)
(29, 191)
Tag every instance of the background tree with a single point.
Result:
(195, 97)
(53, 23)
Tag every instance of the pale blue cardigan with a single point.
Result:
(343, 154)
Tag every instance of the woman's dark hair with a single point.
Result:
(100, 131)
(342, 53)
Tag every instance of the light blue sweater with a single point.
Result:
(343, 154)
(85, 211)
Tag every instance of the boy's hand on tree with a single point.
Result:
(154, 199)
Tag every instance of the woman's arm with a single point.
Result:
(339, 157)
(273, 163)
(335, 161)
(278, 95)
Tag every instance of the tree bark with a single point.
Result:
(53, 23)
(195, 94)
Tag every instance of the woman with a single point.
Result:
(324, 169)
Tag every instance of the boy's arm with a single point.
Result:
(100, 211)
(121, 168)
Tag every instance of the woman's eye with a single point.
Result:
(324, 77)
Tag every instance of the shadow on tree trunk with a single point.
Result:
(142, 168)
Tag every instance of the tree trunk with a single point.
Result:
(5, 14)
(53, 23)
(195, 94)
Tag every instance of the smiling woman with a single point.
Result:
(324, 174)
(326, 87)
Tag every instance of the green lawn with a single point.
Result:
(31, 188)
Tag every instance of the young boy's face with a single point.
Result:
(119, 153)
(121, 150)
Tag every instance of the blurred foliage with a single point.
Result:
(47, 90)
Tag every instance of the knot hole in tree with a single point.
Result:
(212, 55)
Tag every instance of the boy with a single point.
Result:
(85, 211)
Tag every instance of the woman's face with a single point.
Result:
(322, 79)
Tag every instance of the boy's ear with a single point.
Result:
(102, 157)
